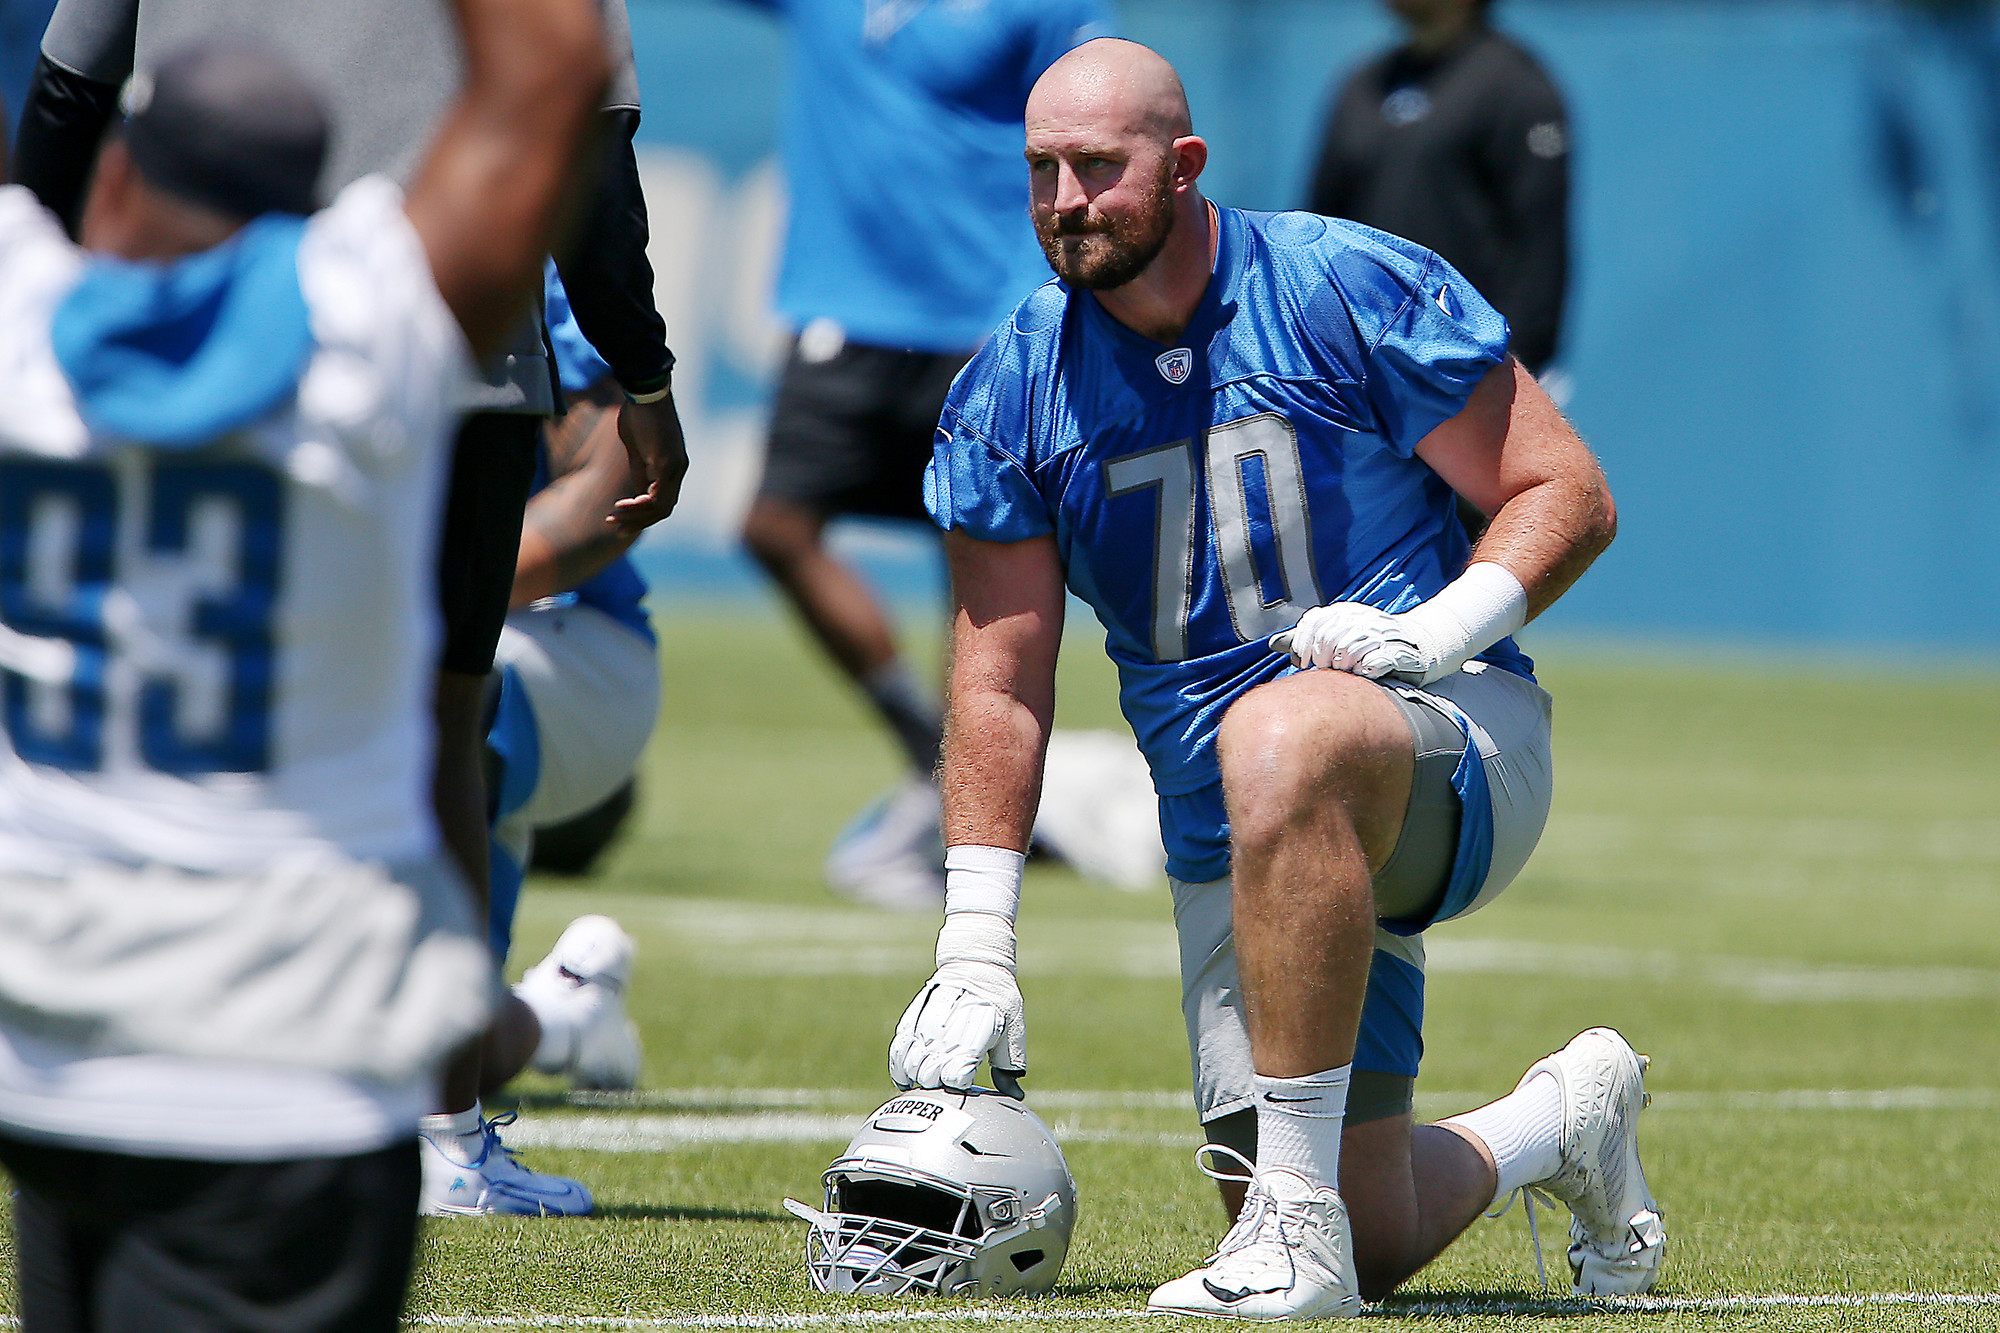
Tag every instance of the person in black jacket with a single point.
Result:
(1458, 140)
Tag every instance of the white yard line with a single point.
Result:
(689, 1099)
(619, 1130)
(1033, 1312)
(665, 1133)
(777, 939)
(1036, 1313)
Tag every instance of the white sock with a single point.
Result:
(1524, 1132)
(458, 1132)
(1299, 1122)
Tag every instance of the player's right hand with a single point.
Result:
(657, 449)
(967, 1012)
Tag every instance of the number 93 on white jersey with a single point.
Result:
(217, 656)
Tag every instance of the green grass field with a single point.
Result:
(1780, 883)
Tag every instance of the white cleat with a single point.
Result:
(491, 1180)
(892, 854)
(578, 993)
(1289, 1256)
(1617, 1237)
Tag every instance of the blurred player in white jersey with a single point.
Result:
(233, 954)
(1238, 436)
(385, 68)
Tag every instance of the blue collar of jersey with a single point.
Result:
(174, 355)
(1216, 308)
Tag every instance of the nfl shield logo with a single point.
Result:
(1175, 365)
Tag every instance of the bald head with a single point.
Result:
(1116, 86)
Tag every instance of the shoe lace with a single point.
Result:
(1259, 1207)
(492, 1129)
(1528, 1195)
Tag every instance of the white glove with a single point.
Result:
(971, 1007)
(1425, 643)
(1355, 637)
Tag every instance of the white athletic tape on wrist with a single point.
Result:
(976, 937)
(1467, 616)
(983, 879)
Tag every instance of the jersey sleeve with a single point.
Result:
(390, 358)
(94, 38)
(974, 485)
(1430, 336)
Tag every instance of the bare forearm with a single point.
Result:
(1549, 534)
(546, 568)
(993, 748)
(565, 539)
(1005, 637)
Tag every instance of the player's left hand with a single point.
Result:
(658, 450)
(1357, 638)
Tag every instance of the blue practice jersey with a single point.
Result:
(908, 221)
(1204, 496)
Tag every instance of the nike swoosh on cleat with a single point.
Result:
(1228, 1297)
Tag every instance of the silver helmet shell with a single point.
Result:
(944, 1193)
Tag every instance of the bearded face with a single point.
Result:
(1105, 247)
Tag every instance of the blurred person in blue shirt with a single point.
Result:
(907, 242)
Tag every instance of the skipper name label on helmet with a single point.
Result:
(910, 1113)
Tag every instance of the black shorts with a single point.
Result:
(492, 471)
(852, 435)
(107, 1242)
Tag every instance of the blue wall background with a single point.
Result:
(1782, 338)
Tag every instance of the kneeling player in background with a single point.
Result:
(579, 689)
(575, 693)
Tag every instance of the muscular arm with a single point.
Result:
(1510, 452)
(564, 538)
(485, 202)
(1005, 634)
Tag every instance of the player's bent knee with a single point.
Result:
(1289, 750)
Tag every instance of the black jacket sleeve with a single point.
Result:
(1527, 159)
(1332, 193)
(63, 120)
(607, 274)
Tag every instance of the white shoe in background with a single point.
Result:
(892, 854)
(578, 993)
